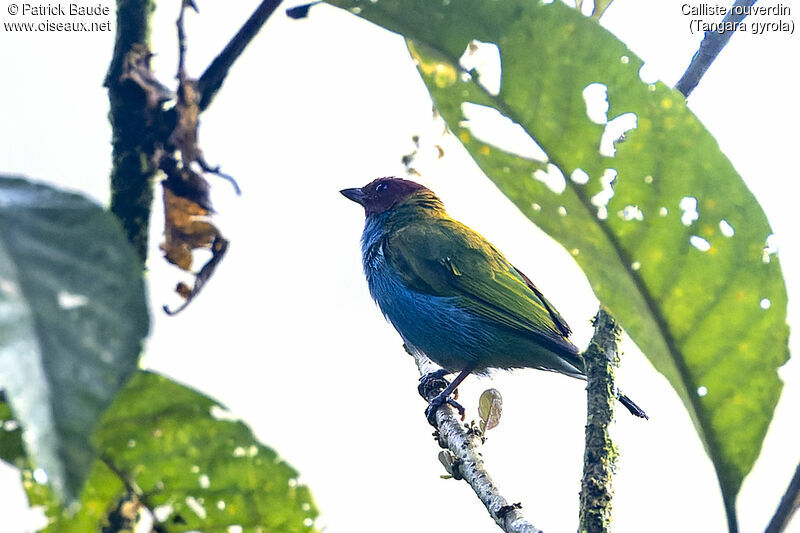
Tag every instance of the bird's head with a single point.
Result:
(383, 194)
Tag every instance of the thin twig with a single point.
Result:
(130, 484)
(463, 444)
(600, 454)
(788, 506)
(182, 43)
(211, 80)
(712, 45)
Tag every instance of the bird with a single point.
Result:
(452, 295)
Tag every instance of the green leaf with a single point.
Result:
(72, 318)
(11, 449)
(710, 316)
(180, 453)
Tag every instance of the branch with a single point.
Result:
(600, 455)
(789, 504)
(712, 45)
(468, 464)
(131, 113)
(211, 80)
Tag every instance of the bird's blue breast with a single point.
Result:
(433, 325)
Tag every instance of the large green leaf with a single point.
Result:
(701, 296)
(72, 319)
(180, 454)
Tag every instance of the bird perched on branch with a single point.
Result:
(452, 296)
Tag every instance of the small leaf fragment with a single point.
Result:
(185, 229)
(490, 408)
(187, 203)
(450, 463)
(446, 458)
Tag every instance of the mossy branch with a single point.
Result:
(131, 120)
(600, 455)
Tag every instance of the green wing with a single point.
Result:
(443, 257)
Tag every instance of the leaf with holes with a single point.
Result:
(669, 236)
(188, 466)
(72, 319)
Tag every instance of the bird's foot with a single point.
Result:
(441, 399)
(432, 383)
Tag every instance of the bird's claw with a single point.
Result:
(436, 403)
(432, 383)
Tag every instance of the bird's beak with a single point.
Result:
(357, 195)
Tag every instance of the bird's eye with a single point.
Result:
(381, 187)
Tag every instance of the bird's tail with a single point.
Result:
(634, 409)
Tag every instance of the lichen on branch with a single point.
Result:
(600, 454)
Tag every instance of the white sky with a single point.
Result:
(286, 335)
